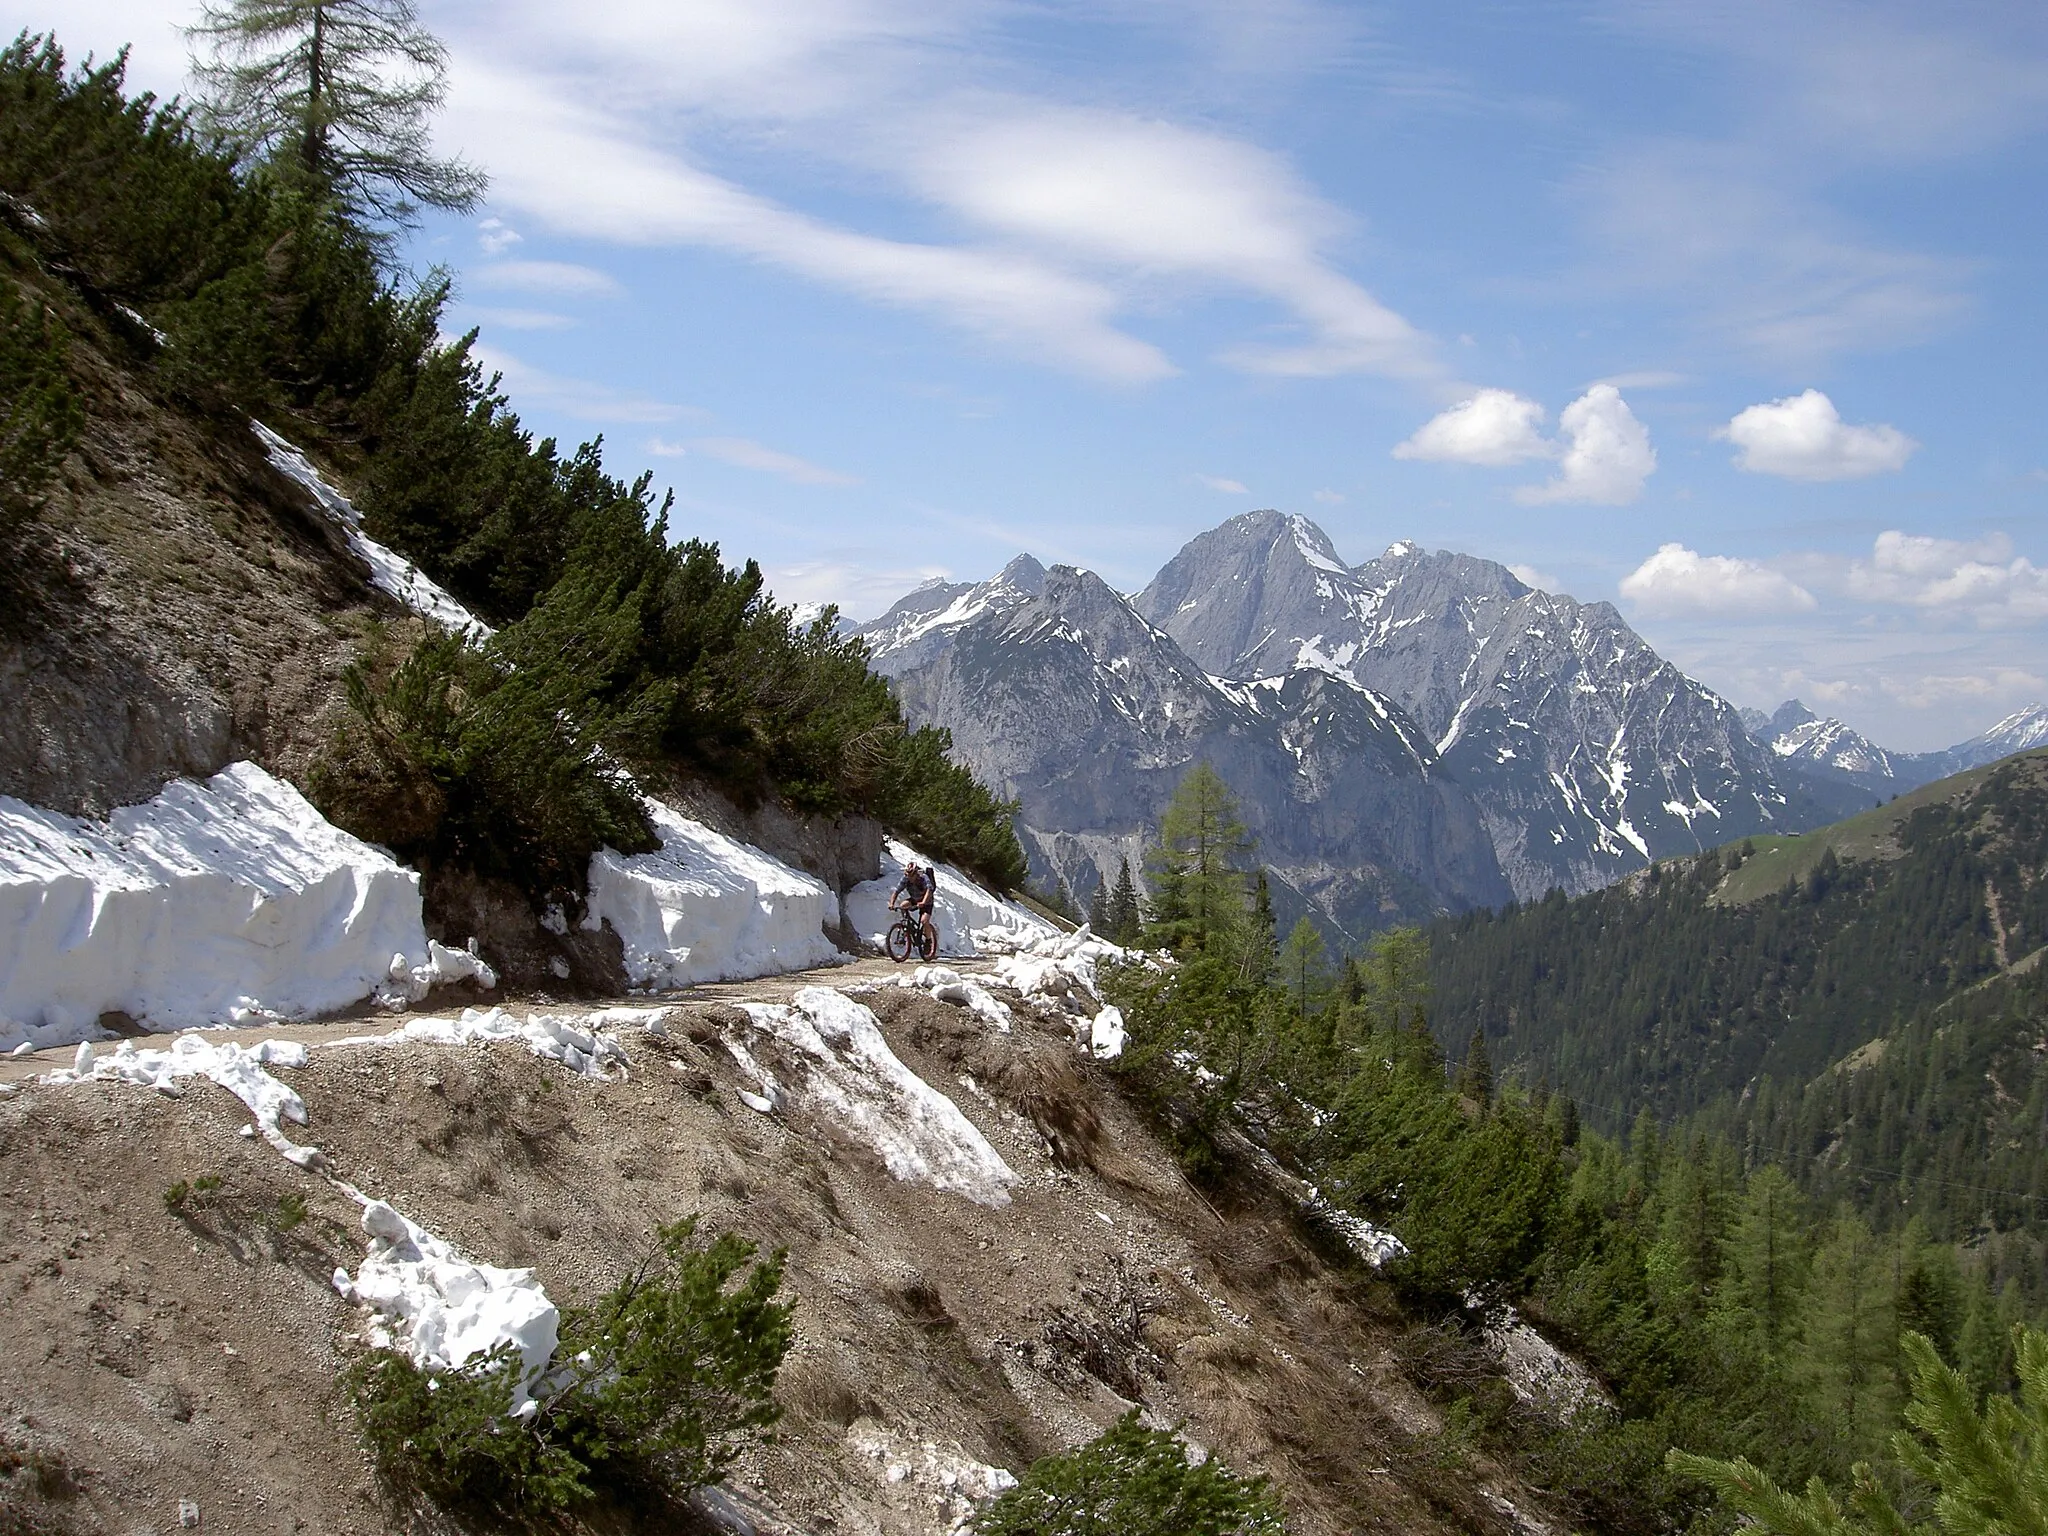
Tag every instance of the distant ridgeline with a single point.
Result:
(1863, 1005)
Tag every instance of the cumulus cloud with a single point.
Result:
(1804, 437)
(1494, 427)
(1530, 576)
(1978, 579)
(497, 237)
(745, 453)
(1607, 456)
(1677, 582)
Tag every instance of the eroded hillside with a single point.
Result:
(151, 1355)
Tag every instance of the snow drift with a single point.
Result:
(707, 907)
(832, 1049)
(212, 904)
(970, 920)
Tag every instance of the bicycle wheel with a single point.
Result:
(927, 943)
(900, 943)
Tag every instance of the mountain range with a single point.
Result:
(1419, 733)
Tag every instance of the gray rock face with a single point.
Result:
(1587, 753)
(1061, 695)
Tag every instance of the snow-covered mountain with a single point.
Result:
(1586, 752)
(1826, 746)
(1060, 694)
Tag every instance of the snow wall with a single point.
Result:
(207, 905)
(707, 907)
(970, 920)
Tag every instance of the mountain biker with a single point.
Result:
(914, 893)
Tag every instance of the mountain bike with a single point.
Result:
(909, 937)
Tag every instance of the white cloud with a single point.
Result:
(1608, 456)
(1494, 427)
(497, 237)
(1530, 576)
(1227, 487)
(1980, 579)
(564, 278)
(861, 590)
(528, 385)
(524, 319)
(1679, 582)
(1328, 498)
(1803, 437)
(745, 453)
(662, 448)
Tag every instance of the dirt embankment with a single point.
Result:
(151, 1355)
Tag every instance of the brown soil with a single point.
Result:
(150, 1355)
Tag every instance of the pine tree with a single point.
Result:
(335, 92)
(1475, 1077)
(1199, 876)
(1302, 969)
(1098, 913)
(1124, 917)
(1766, 1257)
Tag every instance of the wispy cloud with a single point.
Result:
(1226, 487)
(524, 319)
(577, 398)
(563, 278)
(745, 453)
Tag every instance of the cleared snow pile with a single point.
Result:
(948, 1484)
(706, 907)
(1106, 1033)
(550, 1036)
(949, 986)
(832, 1050)
(390, 572)
(407, 983)
(971, 921)
(1538, 1372)
(214, 903)
(236, 1068)
(1060, 965)
(442, 1309)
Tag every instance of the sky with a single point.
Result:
(1730, 314)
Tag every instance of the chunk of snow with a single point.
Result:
(214, 903)
(1059, 963)
(239, 1069)
(1375, 1245)
(706, 907)
(553, 1037)
(408, 983)
(833, 1049)
(1106, 1033)
(970, 920)
(442, 1309)
(949, 986)
(390, 572)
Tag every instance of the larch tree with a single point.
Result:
(338, 92)
(1199, 881)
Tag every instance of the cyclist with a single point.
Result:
(914, 893)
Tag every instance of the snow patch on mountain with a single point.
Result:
(214, 903)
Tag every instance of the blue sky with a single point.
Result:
(1730, 314)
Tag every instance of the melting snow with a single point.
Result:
(239, 1069)
(579, 1047)
(214, 903)
(390, 572)
(706, 907)
(835, 1047)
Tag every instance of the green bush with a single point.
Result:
(659, 1387)
(1131, 1481)
(40, 414)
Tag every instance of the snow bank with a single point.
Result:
(853, 1080)
(550, 1036)
(214, 903)
(1375, 1245)
(970, 920)
(706, 907)
(390, 572)
(236, 1068)
(949, 986)
(442, 1309)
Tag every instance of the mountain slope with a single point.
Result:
(1587, 752)
(1740, 986)
(1061, 696)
